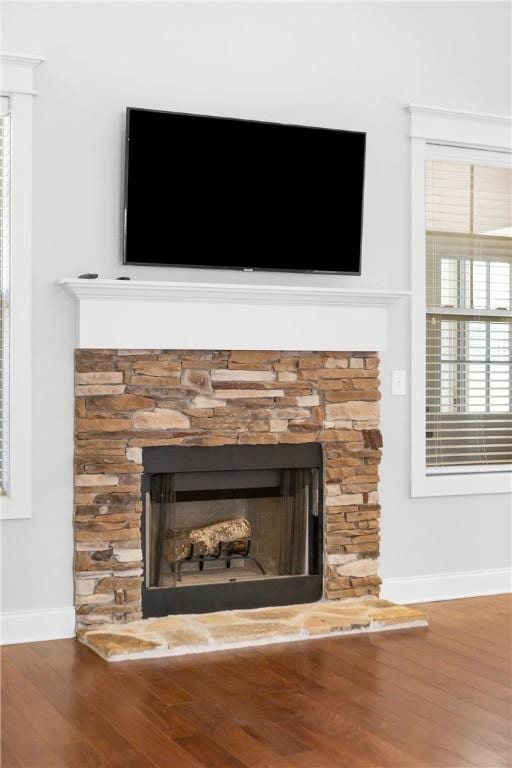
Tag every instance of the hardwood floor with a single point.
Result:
(437, 698)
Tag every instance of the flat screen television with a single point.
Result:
(239, 194)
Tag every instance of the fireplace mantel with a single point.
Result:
(139, 314)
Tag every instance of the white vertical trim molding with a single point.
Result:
(16, 82)
(455, 128)
(418, 305)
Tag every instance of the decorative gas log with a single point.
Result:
(204, 541)
(224, 541)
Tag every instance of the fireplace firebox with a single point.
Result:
(231, 527)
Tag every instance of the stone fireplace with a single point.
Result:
(222, 467)
(133, 405)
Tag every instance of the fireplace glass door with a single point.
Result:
(210, 527)
(231, 525)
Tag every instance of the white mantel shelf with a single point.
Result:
(140, 314)
(156, 290)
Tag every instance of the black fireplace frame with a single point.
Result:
(204, 598)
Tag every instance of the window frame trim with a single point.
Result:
(17, 83)
(459, 130)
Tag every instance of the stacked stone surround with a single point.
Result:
(128, 399)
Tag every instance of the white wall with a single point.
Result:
(343, 65)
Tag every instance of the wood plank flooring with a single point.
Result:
(436, 698)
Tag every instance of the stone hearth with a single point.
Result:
(177, 635)
(129, 399)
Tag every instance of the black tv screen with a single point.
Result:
(238, 194)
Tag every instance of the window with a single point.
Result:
(468, 220)
(461, 269)
(16, 118)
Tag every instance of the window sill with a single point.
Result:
(17, 506)
(483, 469)
(462, 483)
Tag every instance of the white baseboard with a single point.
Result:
(59, 623)
(33, 626)
(447, 586)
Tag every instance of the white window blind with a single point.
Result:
(468, 322)
(5, 214)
